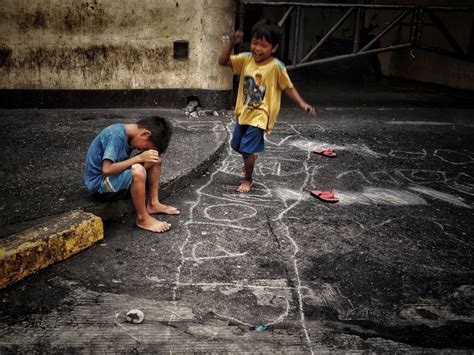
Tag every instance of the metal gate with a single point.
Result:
(417, 16)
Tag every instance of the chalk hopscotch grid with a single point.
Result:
(281, 227)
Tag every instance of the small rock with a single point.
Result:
(192, 106)
(135, 316)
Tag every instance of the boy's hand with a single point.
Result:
(150, 156)
(308, 108)
(295, 96)
(231, 41)
(236, 37)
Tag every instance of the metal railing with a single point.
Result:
(417, 15)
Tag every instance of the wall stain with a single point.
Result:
(30, 21)
(85, 17)
(79, 17)
(97, 60)
(5, 57)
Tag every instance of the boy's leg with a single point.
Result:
(249, 164)
(154, 205)
(248, 141)
(137, 190)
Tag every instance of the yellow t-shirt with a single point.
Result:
(260, 87)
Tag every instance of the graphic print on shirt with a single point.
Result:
(254, 91)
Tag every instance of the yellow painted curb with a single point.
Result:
(36, 248)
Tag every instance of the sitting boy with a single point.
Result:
(110, 172)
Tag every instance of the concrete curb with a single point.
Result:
(36, 248)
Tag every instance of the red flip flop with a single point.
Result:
(326, 196)
(326, 152)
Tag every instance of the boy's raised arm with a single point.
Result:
(295, 96)
(234, 39)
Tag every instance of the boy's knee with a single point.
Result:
(138, 172)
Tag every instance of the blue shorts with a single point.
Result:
(115, 187)
(247, 139)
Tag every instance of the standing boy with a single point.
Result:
(110, 172)
(262, 79)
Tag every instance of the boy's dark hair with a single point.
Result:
(267, 29)
(160, 129)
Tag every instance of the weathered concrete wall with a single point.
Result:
(427, 66)
(108, 44)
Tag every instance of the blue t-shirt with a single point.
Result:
(111, 144)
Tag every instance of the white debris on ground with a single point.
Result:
(193, 109)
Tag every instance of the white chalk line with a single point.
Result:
(467, 188)
(429, 123)
(417, 177)
(468, 157)
(278, 320)
(188, 223)
(224, 166)
(237, 285)
(200, 126)
(244, 216)
(457, 201)
(205, 258)
(243, 199)
(295, 245)
(408, 155)
(379, 196)
(368, 196)
(278, 144)
(188, 231)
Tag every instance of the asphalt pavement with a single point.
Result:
(386, 269)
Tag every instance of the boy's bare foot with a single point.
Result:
(244, 187)
(153, 225)
(161, 208)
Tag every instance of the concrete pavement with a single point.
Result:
(386, 270)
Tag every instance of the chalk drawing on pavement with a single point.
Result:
(225, 215)
(227, 210)
(232, 212)
(403, 154)
(437, 195)
(454, 157)
(462, 183)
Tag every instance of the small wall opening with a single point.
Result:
(192, 98)
(181, 50)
